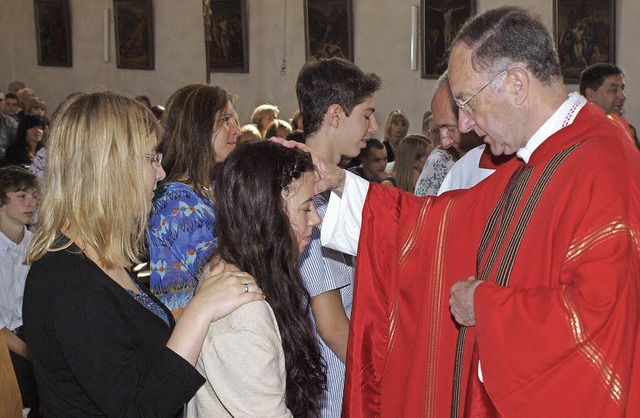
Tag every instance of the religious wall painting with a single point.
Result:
(440, 21)
(584, 31)
(228, 44)
(134, 34)
(328, 29)
(53, 33)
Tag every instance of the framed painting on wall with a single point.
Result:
(53, 33)
(229, 46)
(328, 28)
(440, 22)
(134, 34)
(584, 33)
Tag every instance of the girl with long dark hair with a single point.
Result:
(264, 360)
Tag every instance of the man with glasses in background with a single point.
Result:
(453, 143)
(475, 165)
(540, 263)
(429, 128)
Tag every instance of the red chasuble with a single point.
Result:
(556, 242)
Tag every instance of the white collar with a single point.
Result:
(6, 244)
(562, 117)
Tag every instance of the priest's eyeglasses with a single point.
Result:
(464, 106)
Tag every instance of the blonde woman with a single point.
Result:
(100, 343)
(395, 128)
(263, 115)
(412, 154)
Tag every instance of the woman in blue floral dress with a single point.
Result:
(201, 129)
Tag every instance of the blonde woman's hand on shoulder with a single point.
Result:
(222, 289)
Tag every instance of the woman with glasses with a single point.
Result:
(99, 342)
(200, 130)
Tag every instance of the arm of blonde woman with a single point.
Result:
(220, 292)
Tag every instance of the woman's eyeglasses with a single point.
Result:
(155, 158)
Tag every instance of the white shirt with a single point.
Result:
(466, 172)
(389, 167)
(341, 226)
(12, 277)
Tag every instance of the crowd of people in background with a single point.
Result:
(246, 312)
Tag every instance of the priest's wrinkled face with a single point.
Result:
(483, 103)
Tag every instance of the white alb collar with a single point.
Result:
(562, 117)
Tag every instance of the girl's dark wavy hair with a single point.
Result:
(254, 233)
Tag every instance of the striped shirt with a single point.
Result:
(323, 270)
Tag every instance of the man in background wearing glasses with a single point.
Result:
(453, 143)
(546, 325)
(476, 162)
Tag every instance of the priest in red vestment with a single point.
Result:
(547, 323)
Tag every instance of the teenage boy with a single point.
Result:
(336, 99)
(18, 201)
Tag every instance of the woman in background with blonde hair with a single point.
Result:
(395, 128)
(263, 115)
(99, 342)
(412, 154)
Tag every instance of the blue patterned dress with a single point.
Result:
(181, 241)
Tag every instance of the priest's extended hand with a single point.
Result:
(327, 176)
(461, 301)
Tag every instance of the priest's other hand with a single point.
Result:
(461, 301)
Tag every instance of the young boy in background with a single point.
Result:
(18, 202)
